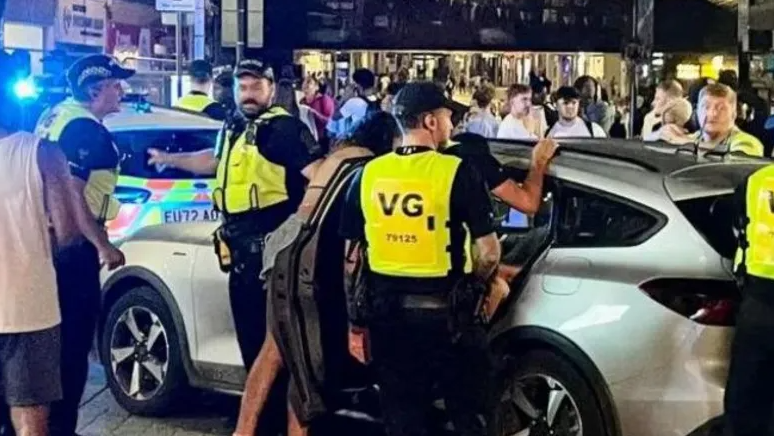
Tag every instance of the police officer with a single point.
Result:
(76, 126)
(262, 168)
(749, 397)
(414, 211)
(716, 113)
(198, 100)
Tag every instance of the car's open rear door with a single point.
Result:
(296, 295)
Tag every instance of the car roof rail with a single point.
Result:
(585, 151)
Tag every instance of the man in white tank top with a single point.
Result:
(35, 219)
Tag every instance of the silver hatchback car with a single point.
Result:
(619, 322)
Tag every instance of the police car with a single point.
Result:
(151, 195)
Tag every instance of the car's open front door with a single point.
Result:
(303, 306)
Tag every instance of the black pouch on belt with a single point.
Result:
(222, 250)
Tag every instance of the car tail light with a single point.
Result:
(705, 301)
(127, 195)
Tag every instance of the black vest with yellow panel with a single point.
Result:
(101, 182)
(246, 180)
(755, 255)
(406, 201)
(194, 102)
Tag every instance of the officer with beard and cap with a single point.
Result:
(263, 161)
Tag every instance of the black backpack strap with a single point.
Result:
(550, 126)
(589, 127)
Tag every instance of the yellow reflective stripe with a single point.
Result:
(52, 124)
(759, 255)
(194, 102)
(406, 202)
(745, 143)
(99, 194)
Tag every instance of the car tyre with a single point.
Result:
(152, 380)
(544, 376)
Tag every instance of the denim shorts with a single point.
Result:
(29, 367)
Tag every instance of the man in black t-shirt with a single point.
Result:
(411, 210)
(524, 197)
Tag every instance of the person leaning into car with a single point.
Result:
(413, 210)
(75, 125)
(525, 197)
(749, 396)
(261, 168)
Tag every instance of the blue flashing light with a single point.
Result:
(25, 89)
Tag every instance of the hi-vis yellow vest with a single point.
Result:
(742, 142)
(102, 182)
(756, 245)
(194, 102)
(246, 180)
(406, 201)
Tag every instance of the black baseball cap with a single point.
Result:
(567, 93)
(95, 68)
(200, 69)
(417, 98)
(254, 68)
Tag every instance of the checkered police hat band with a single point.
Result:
(93, 72)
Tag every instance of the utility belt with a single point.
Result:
(233, 243)
(462, 305)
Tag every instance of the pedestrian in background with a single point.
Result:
(481, 120)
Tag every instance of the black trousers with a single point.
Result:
(749, 397)
(416, 363)
(248, 307)
(77, 271)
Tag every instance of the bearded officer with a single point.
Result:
(414, 211)
(263, 161)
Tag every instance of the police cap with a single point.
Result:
(417, 98)
(254, 68)
(95, 68)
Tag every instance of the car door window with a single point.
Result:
(134, 146)
(593, 219)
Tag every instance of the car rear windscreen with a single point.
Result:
(713, 217)
(134, 146)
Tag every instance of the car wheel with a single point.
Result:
(142, 354)
(543, 394)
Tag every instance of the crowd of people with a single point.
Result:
(409, 240)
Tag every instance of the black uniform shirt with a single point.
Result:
(476, 152)
(470, 205)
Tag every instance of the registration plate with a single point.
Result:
(191, 214)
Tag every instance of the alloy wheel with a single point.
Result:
(539, 405)
(139, 353)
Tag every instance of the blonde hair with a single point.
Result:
(677, 112)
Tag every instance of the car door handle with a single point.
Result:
(179, 253)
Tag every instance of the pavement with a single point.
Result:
(207, 414)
